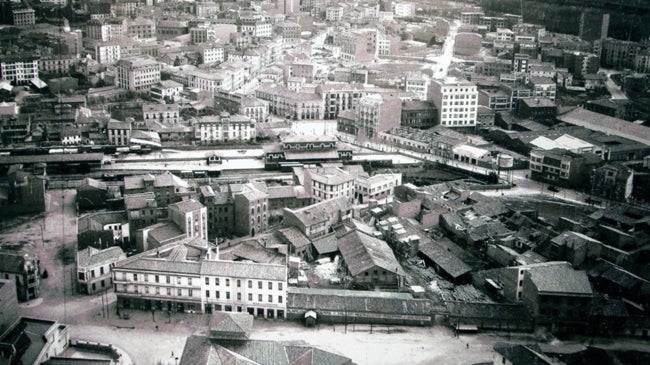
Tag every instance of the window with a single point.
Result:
(178, 280)
(279, 286)
(238, 296)
(92, 273)
(169, 291)
(178, 292)
(217, 294)
(259, 297)
(157, 279)
(270, 285)
(250, 297)
(250, 284)
(259, 285)
(270, 298)
(168, 279)
(238, 283)
(189, 292)
(135, 277)
(216, 281)
(207, 281)
(227, 295)
(101, 270)
(227, 282)
(189, 281)
(279, 298)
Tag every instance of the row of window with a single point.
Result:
(238, 282)
(260, 297)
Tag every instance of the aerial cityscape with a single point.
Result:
(324, 182)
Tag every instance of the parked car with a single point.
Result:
(553, 188)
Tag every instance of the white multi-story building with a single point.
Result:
(403, 10)
(137, 74)
(326, 183)
(224, 127)
(18, 70)
(256, 28)
(141, 28)
(188, 277)
(358, 45)
(166, 89)
(210, 81)
(212, 53)
(94, 268)
(108, 53)
(380, 186)
(417, 83)
(163, 113)
(334, 13)
(456, 100)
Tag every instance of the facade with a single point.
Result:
(373, 114)
(167, 114)
(251, 211)
(167, 188)
(137, 74)
(557, 295)
(141, 28)
(191, 216)
(376, 187)
(360, 45)
(289, 104)
(23, 16)
(119, 133)
(166, 89)
(418, 114)
(221, 210)
(561, 167)
(33, 341)
(316, 220)
(456, 101)
(19, 70)
(94, 268)
(326, 183)
(338, 97)
(613, 182)
(543, 87)
(224, 128)
(334, 13)
(8, 304)
(24, 270)
(212, 53)
(108, 53)
(188, 276)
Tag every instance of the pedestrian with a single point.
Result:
(156, 327)
(172, 353)
(467, 345)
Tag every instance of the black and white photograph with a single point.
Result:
(324, 182)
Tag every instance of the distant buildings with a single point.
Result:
(137, 74)
(562, 167)
(18, 69)
(224, 128)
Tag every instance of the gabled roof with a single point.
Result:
(230, 325)
(186, 206)
(91, 184)
(362, 252)
(523, 354)
(91, 256)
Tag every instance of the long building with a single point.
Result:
(187, 276)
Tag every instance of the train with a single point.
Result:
(105, 149)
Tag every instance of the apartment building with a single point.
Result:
(324, 183)
(337, 97)
(94, 268)
(168, 114)
(232, 103)
(221, 210)
(119, 133)
(141, 28)
(374, 114)
(290, 104)
(562, 167)
(417, 83)
(543, 87)
(166, 187)
(137, 74)
(189, 277)
(210, 81)
(107, 53)
(492, 67)
(359, 45)
(166, 89)
(19, 69)
(212, 53)
(456, 100)
(289, 31)
(316, 220)
(24, 270)
(376, 187)
(57, 65)
(23, 16)
(224, 128)
(251, 211)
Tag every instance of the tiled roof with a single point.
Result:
(560, 278)
(13, 262)
(91, 256)
(139, 201)
(230, 326)
(518, 354)
(163, 232)
(446, 260)
(494, 311)
(326, 244)
(320, 211)
(362, 252)
(294, 236)
(186, 206)
(206, 191)
(91, 184)
(247, 270)
(281, 192)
